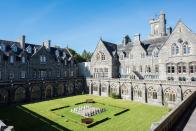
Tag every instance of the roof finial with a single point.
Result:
(162, 12)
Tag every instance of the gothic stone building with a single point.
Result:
(165, 56)
(31, 71)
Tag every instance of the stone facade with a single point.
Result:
(159, 70)
(34, 72)
(163, 56)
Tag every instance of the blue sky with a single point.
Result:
(80, 23)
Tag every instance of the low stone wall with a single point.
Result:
(175, 115)
(167, 93)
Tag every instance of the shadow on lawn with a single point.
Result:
(25, 120)
(43, 119)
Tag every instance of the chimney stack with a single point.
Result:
(169, 31)
(22, 41)
(137, 37)
(47, 44)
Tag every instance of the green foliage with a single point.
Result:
(84, 57)
(87, 55)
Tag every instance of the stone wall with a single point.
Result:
(33, 90)
(167, 93)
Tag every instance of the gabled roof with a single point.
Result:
(111, 47)
(150, 44)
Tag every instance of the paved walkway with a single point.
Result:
(191, 124)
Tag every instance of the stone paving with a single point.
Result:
(191, 124)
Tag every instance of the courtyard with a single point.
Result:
(59, 114)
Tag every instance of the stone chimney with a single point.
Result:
(162, 24)
(22, 41)
(137, 37)
(169, 31)
(47, 44)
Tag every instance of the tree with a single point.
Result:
(86, 55)
(77, 57)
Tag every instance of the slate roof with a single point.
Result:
(111, 47)
(8, 50)
(148, 45)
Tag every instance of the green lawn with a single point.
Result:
(39, 117)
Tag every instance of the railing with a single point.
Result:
(175, 115)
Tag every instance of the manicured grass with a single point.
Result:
(138, 118)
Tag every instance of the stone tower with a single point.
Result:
(158, 26)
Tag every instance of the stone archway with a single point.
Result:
(170, 96)
(187, 93)
(3, 96)
(48, 91)
(35, 93)
(152, 93)
(60, 90)
(70, 87)
(137, 92)
(20, 94)
(114, 89)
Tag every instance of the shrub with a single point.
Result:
(87, 120)
(115, 96)
(90, 101)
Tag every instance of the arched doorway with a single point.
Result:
(70, 88)
(48, 91)
(3, 96)
(36, 93)
(60, 89)
(20, 94)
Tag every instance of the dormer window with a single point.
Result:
(29, 49)
(43, 59)
(57, 53)
(11, 59)
(64, 54)
(14, 48)
(23, 59)
(2, 47)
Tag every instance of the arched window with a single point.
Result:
(170, 95)
(192, 67)
(186, 48)
(137, 92)
(152, 93)
(124, 90)
(174, 49)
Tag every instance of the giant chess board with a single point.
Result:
(87, 110)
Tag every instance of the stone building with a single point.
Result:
(159, 70)
(165, 55)
(32, 71)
